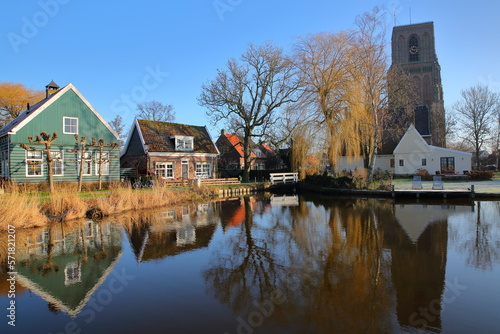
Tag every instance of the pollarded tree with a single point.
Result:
(477, 111)
(44, 139)
(251, 90)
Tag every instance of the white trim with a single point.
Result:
(179, 154)
(61, 160)
(135, 125)
(64, 125)
(60, 93)
(27, 165)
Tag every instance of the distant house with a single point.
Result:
(232, 154)
(413, 153)
(170, 150)
(68, 113)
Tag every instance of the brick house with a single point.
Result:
(232, 156)
(170, 150)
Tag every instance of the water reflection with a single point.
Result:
(273, 265)
(340, 266)
(65, 264)
(170, 232)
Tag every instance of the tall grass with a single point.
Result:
(21, 211)
(22, 208)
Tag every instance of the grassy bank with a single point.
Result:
(28, 209)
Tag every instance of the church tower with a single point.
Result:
(413, 49)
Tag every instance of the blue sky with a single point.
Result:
(119, 53)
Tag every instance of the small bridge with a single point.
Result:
(284, 178)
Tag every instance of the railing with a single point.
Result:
(284, 178)
(211, 182)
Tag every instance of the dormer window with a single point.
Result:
(183, 143)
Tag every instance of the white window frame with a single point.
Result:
(70, 125)
(184, 143)
(162, 170)
(105, 163)
(87, 168)
(203, 170)
(33, 156)
(57, 161)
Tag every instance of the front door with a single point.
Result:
(185, 169)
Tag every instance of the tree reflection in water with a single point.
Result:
(324, 258)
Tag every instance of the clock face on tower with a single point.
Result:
(413, 50)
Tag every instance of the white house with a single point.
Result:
(413, 153)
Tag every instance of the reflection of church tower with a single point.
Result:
(413, 49)
(418, 264)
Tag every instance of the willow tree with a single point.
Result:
(323, 61)
(251, 91)
(371, 83)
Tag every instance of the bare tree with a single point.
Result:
(44, 139)
(477, 111)
(156, 111)
(118, 126)
(251, 91)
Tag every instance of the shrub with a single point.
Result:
(481, 174)
(424, 174)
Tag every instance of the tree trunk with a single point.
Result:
(247, 157)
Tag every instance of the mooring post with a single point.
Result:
(472, 193)
(393, 193)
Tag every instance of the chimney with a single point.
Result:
(222, 132)
(28, 106)
(51, 88)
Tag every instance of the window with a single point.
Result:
(34, 163)
(183, 143)
(203, 170)
(165, 170)
(448, 165)
(413, 48)
(57, 163)
(401, 162)
(392, 163)
(87, 164)
(72, 274)
(104, 163)
(424, 162)
(70, 125)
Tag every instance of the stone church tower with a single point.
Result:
(413, 49)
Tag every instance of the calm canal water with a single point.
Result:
(264, 265)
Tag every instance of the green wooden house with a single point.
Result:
(67, 112)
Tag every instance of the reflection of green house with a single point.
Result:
(73, 267)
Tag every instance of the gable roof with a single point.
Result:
(413, 138)
(27, 115)
(157, 135)
(236, 143)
